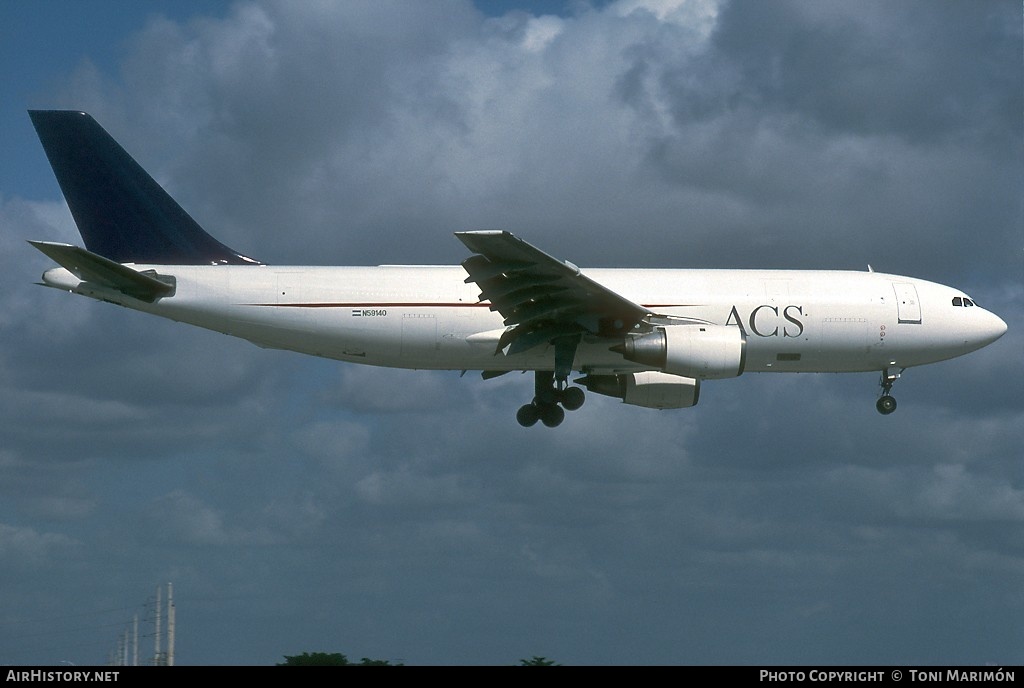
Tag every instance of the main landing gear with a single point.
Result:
(547, 397)
(886, 404)
(551, 388)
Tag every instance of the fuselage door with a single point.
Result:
(908, 307)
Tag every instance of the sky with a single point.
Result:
(300, 504)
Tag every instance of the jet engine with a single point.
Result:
(649, 389)
(705, 352)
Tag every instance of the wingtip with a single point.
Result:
(42, 245)
(483, 232)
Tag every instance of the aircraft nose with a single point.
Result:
(989, 329)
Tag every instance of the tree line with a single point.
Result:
(338, 659)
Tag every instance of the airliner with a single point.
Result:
(649, 337)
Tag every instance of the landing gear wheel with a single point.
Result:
(551, 399)
(546, 397)
(572, 398)
(528, 415)
(886, 405)
(551, 415)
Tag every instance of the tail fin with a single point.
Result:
(121, 212)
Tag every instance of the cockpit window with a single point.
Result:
(957, 301)
(968, 302)
(963, 301)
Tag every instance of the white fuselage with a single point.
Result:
(427, 317)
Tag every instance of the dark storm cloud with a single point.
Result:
(791, 135)
(911, 69)
(837, 129)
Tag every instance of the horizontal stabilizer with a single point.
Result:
(101, 271)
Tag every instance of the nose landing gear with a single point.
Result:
(886, 404)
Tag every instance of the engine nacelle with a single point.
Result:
(648, 389)
(704, 352)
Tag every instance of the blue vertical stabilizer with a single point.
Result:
(121, 212)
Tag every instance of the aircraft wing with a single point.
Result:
(541, 298)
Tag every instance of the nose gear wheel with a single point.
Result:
(886, 404)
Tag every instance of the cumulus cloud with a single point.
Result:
(26, 547)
